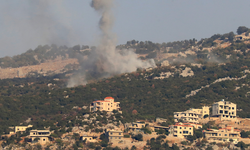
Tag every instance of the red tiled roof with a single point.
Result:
(182, 125)
(100, 101)
(108, 98)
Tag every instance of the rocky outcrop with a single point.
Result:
(53, 66)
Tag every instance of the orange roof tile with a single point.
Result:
(100, 101)
(108, 98)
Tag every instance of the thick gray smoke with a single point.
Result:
(106, 60)
(27, 24)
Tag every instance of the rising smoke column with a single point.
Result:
(106, 60)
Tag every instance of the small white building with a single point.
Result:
(89, 138)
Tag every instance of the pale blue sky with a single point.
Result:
(26, 24)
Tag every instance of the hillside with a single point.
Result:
(211, 73)
(216, 49)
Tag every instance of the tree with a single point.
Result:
(242, 145)
(242, 29)
(191, 138)
(138, 137)
(243, 134)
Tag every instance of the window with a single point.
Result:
(110, 137)
(119, 133)
(232, 108)
(225, 134)
(180, 127)
(221, 111)
(43, 139)
(119, 137)
(180, 132)
(111, 133)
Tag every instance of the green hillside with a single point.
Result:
(46, 99)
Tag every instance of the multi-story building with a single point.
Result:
(224, 109)
(107, 104)
(114, 136)
(192, 115)
(222, 135)
(135, 126)
(42, 135)
(181, 130)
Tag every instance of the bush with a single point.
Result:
(184, 142)
(126, 136)
(138, 137)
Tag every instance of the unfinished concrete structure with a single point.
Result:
(42, 135)
(224, 109)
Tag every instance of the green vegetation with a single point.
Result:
(141, 96)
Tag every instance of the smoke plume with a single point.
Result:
(106, 60)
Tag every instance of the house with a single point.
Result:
(160, 120)
(196, 126)
(135, 126)
(107, 104)
(224, 109)
(89, 138)
(241, 37)
(192, 115)
(181, 130)
(222, 135)
(42, 135)
(22, 128)
(114, 136)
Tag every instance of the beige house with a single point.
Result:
(192, 115)
(181, 130)
(224, 109)
(107, 104)
(22, 128)
(89, 138)
(222, 135)
(241, 37)
(43, 136)
(135, 126)
(114, 136)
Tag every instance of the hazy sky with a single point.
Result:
(25, 24)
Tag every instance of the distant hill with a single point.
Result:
(218, 48)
